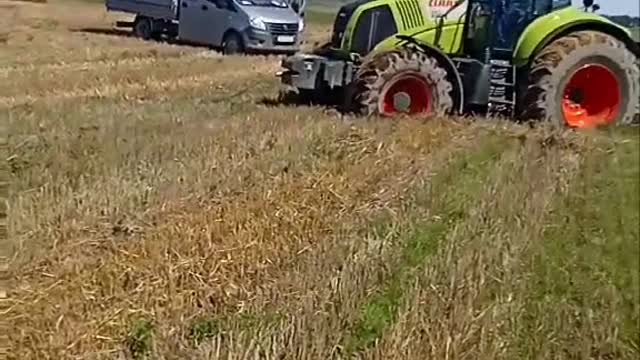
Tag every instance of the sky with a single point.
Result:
(616, 7)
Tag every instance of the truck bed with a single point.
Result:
(157, 9)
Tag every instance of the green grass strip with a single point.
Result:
(206, 327)
(462, 182)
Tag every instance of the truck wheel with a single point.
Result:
(142, 28)
(585, 79)
(232, 44)
(400, 81)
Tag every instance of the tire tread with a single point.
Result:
(544, 67)
(363, 94)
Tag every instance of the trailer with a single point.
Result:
(236, 26)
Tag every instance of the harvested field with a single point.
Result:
(161, 206)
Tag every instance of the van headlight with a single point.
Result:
(300, 24)
(257, 23)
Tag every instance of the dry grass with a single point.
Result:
(159, 207)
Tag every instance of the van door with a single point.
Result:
(219, 20)
(203, 21)
(192, 17)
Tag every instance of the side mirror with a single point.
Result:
(587, 3)
(596, 7)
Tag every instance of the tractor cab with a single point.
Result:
(493, 27)
(492, 31)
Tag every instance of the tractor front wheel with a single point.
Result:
(400, 82)
(586, 79)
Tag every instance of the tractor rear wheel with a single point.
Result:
(400, 82)
(586, 79)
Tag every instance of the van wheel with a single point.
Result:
(232, 44)
(142, 28)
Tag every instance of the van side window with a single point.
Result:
(542, 7)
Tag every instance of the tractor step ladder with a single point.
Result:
(502, 97)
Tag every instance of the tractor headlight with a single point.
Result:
(257, 23)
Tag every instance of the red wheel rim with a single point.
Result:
(592, 97)
(409, 94)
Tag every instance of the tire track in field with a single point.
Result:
(395, 192)
(325, 291)
(315, 331)
(464, 299)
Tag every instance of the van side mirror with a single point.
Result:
(587, 3)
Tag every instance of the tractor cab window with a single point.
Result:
(498, 23)
(342, 19)
(512, 19)
(557, 4)
(373, 26)
(542, 7)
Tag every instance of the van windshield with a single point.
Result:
(264, 3)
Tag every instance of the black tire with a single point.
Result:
(554, 67)
(366, 94)
(143, 28)
(232, 44)
(309, 97)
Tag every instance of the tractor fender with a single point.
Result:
(546, 29)
(453, 74)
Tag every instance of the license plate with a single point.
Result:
(285, 39)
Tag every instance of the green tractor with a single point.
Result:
(526, 59)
